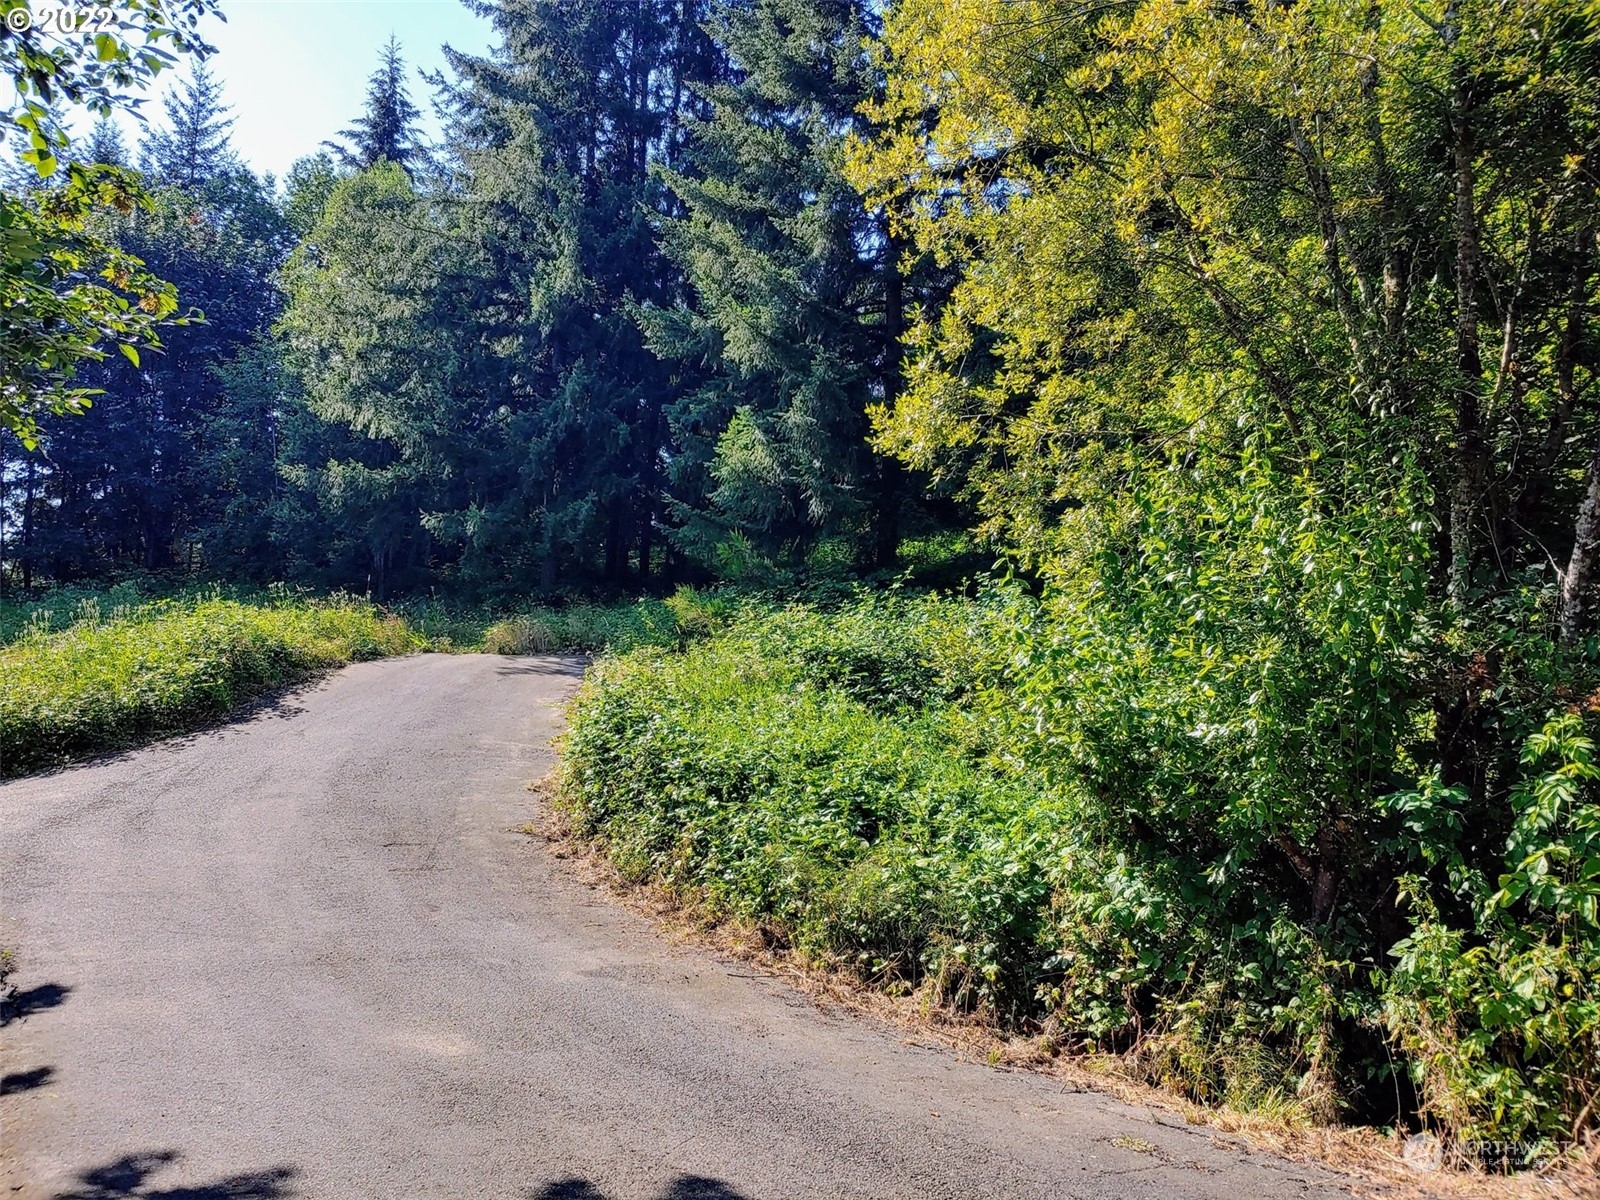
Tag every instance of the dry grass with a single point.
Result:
(1372, 1160)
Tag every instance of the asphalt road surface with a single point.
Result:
(308, 954)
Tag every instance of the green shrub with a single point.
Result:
(1501, 1020)
(1111, 814)
(167, 666)
(584, 628)
(797, 769)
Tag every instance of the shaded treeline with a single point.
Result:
(623, 324)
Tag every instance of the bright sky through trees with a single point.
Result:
(295, 71)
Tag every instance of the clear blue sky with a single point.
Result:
(295, 71)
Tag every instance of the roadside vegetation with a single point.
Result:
(1252, 346)
(1016, 810)
(84, 671)
(118, 676)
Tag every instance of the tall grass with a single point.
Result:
(572, 628)
(116, 677)
(84, 671)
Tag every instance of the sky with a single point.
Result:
(295, 71)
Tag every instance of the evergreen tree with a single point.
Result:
(157, 462)
(386, 131)
(551, 416)
(307, 188)
(104, 146)
(194, 149)
(380, 335)
(796, 294)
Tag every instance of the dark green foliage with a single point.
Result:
(476, 337)
(794, 290)
(66, 295)
(386, 130)
(911, 791)
(169, 458)
(193, 151)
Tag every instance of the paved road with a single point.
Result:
(307, 955)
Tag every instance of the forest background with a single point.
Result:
(1230, 368)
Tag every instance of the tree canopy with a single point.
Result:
(65, 294)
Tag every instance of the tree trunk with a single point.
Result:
(1586, 537)
(547, 568)
(1467, 486)
(615, 549)
(890, 474)
(646, 540)
(27, 527)
(1468, 483)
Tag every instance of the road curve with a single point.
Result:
(308, 955)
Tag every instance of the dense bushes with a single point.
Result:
(145, 669)
(804, 771)
(1502, 1017)
(1074, 818)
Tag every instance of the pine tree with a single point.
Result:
(796, 294)
(386, 131)
(104, 145)
(560, 131)
(193, 150)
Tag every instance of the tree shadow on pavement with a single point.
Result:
(570, 668)
(127, 1177)
(25, 1081)
(20, 1004)
(684, 1187)
(278, 705)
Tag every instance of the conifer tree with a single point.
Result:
(193, 150)
(386, 130)
(795, 293)
(560, 131)
(159, 459)
(104, 146)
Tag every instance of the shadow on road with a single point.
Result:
(35, 999)
(572, 668)
(684, 1187)
(279, 705)
(25, 1081)
(127, 1178)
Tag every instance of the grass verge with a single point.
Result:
(84, 671)
(152, 669)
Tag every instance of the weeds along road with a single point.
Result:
(308, 954)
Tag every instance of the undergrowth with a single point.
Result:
(873, 786)
(84, 671)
